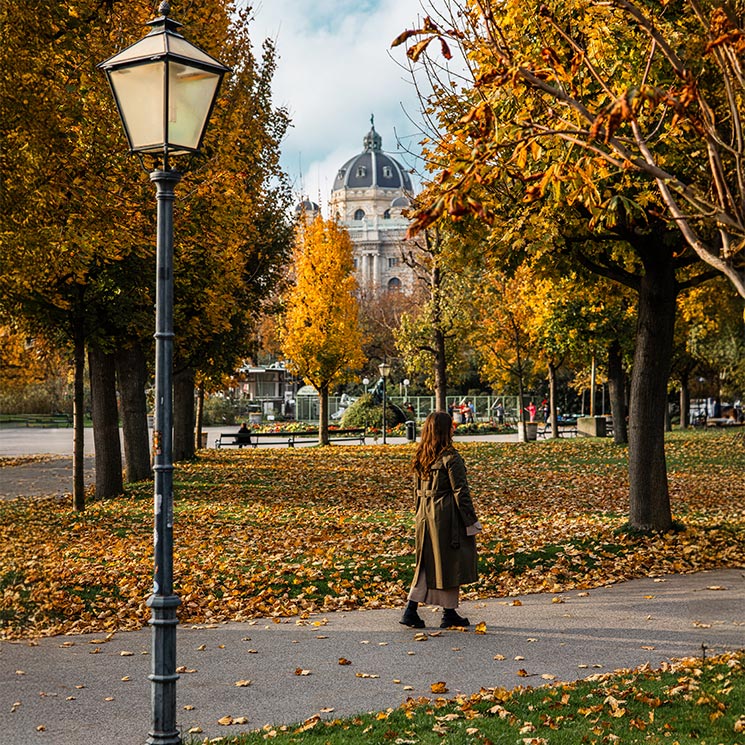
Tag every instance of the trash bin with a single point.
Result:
(410, 431)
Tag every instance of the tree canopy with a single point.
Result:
(321, 333)
(650, 90)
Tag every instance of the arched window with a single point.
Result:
(394, 284)
(359, 215)
(387, 215)
(387, 172)
(361, 171)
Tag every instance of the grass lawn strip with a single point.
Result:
(688, 702)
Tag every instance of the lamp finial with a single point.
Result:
(164, 8)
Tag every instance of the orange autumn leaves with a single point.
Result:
(284, 532)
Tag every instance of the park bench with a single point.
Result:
(721, 422)
(351, 434)
(565, 427)
(239, 439)
(256, 439)
(37, 420)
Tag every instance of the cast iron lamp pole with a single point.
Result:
(164, 88)
(385, 370)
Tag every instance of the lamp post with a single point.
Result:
(164, 88)
(365, 382)
(385, 371)
(406, 388)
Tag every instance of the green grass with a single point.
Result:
(692, 702)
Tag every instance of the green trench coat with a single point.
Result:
(443, 510)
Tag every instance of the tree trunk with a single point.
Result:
(521, 421)
(323, 414)
(649, 507)
(438, 337)
(552, 399)
(685, 403)
(441, 378)
(593, 387)
(183, 414)
(131, 369)
(617, 393)
(78, 418)
(105, 424)
(200, 416)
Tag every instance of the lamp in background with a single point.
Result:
(385, 370)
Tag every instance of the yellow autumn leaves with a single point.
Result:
(281, 532)
(321, 335)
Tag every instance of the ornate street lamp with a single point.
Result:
(164, 88)
(385, 371)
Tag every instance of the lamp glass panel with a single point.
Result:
(183, 48)
(150, 46)
(139, 92)
(191, 91)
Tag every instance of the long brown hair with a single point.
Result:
(437, 436)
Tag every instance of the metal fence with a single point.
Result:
(485, 406)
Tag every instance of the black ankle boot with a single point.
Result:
(411, 617)
(450, 619)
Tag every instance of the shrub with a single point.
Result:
(366, 412)
(219, 410)
(37, 398)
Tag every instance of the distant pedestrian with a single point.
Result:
(499, 411)
(532, 411)
(446, 525)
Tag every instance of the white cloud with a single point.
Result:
(335, 70)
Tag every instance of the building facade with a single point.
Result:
(369, 194)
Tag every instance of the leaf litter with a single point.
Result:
(290, 533)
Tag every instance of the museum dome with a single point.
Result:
(307, 211)
(307, 207)
(372, 168)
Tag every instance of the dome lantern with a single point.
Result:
(372, 141)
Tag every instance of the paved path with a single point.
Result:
(94, 689)
(54, 475)
(87, 689)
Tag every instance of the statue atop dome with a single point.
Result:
(372, 141)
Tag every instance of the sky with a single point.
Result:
(335, 70)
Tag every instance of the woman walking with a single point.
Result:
(446, 525)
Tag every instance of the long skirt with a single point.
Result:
(420, 593)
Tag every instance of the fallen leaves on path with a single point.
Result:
(275, 533)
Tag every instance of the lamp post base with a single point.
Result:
(163, 676)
